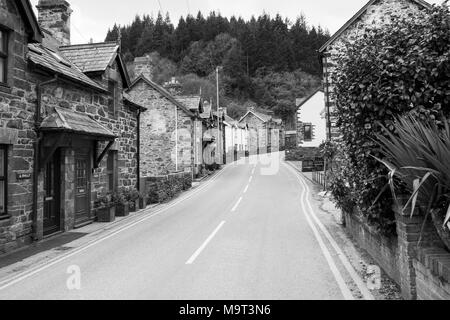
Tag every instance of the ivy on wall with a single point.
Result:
(389, 71)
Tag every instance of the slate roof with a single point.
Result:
(64, 120)
(263, 117)
(362, 11)
(193, 103)
(128, 99)
(162, 91)
(55, 62)
(92, 57)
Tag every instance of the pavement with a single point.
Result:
(254, 231)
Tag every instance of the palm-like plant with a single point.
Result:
(418, 155)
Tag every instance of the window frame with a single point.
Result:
(4, 178)
(5, 55)
(310, 137)
(112, 173)
(113, 104)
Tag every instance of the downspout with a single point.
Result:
(327, 165)
(138, 153)
(37, 145)
(176, 138)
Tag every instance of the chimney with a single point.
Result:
(54, 16)
(143, 66)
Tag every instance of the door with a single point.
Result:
(52, 182)
(82, 189)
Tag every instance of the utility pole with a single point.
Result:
(218, 119)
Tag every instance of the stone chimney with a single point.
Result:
(143, 66)
(54, 16)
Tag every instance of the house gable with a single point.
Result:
(363, 12)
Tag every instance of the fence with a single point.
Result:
(319, 177)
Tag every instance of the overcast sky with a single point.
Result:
(92, 18)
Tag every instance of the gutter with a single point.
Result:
(37, 144)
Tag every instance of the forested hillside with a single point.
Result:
(267, 61)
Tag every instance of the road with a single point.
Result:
(241, 236)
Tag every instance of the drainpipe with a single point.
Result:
(138, 153)
(37, 144)
(176, 138)
(327, 101)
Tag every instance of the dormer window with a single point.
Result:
(3, 56)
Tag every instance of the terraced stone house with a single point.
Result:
(67, 132)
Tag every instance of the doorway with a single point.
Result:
(82, 186)
(52, 183)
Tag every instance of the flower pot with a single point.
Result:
(122, 210)
(443, 232)
(143, 203)
(134, 206)
(106, 214)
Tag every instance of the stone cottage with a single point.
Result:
(236, 139)
(167, 129)
(67, 134)
(374, 13)
(266, 133)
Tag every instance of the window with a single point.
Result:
(308, 132)
(114, 99)
(3, 55)
(111, 171)
(3, 179)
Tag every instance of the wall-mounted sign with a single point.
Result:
(23, 176)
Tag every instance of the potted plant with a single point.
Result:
(417, 156)
(143, 200)
(105, 208)
(121, 202)
(133, 200)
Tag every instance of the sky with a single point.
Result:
(91, 19)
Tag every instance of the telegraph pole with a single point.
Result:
(218, 119)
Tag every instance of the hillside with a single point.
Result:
(267, 61)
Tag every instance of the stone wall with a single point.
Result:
(415, 258)
(164, 188)
(377, 15)
(159, 154)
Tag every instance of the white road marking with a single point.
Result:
(236, 205)
(246, 189)
(203, 246)
(337, 275)
(348, 266)
(250, 180)
(26, 274)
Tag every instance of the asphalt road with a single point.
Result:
(241, 236)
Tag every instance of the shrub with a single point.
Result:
(401, 67)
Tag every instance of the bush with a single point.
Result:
(387, 72)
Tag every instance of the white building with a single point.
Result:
(311, 120)
(236, 139)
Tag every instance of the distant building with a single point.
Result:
(311, 120)
(266, 133)
(236, 139)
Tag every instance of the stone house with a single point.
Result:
(66, 135)
(167, 132)
(375, 13)
(266, 133)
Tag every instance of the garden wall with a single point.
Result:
(383, 250)
(422, 270)
(164, 188)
